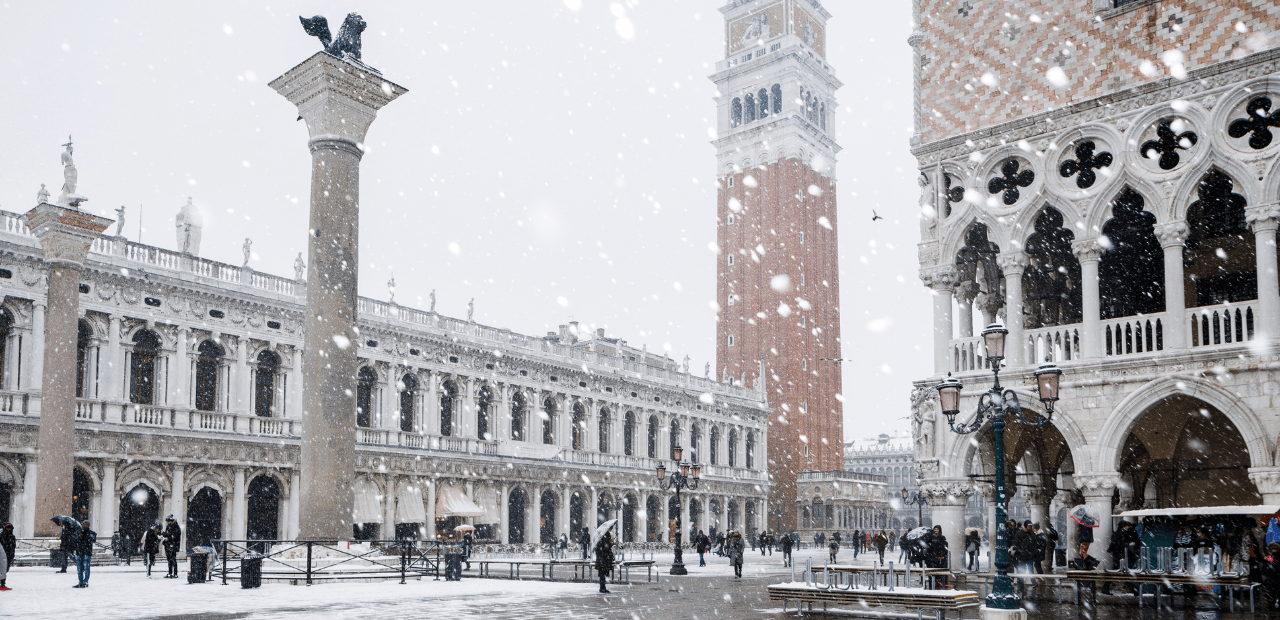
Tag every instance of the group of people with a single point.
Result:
(78, 543)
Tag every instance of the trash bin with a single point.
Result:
(453, 566)
(251, 571)
(199, 568)
(1059, 557)
(56, 558)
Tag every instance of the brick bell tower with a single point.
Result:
(778, 270)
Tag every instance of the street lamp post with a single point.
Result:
(995, 404)
(680, 479)
(919, 501)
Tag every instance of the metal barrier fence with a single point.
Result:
(35, 552)
(312, 560)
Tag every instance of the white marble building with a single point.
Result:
(1131, 238)
(190, 373)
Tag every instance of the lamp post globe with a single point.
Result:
(681, 478)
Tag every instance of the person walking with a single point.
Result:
(736, 550)
(856, 541)
(786, 551)
(84, 553)
(701, 544)
(172, 541)
(584, 538)
(833, 548)
(66, 547)
(1041, 547)
(881, 541)
(604, 559)
(764, 542)
(937, 551)
(151, 547)
(8, 544)
(564, 546)
(972, 544)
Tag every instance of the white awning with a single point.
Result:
(452, 502)
(1202, 511)
(488, 498)
(410, 508)
(368, 507)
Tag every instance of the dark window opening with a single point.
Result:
(1218, 259)
(366, 379)
(142, 367)
(1051, 283)
(208, 355)
(1131, 274)
(264, 384)
(408, 397)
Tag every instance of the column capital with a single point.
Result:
(1013, 263)
(1096, 485)
(1173, 233)
(65, 233)
(942, 278)
(1265, 217)
(1087, 250)
(966, 292)
(337, 99)
(1267, 479)
(947, 491)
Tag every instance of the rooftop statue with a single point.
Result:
(347, 45)
(70, 176)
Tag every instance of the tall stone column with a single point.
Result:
(641, 513)
(1097, 490)
(295, 481)
(1264, 221)
(239, 516)
(504, 515)
(181, 370)
(566, 495)
(39, 339)
(65, 234)
(110, 502)
(533, 505)
(965, 294)
(338, 100)
(430, 486)
(1013, 264)
(178, 500)
(294, 405)
(1090, 254)
(389, 507)
(1172, 238)
(942, 281)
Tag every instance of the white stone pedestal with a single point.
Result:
(987, 613)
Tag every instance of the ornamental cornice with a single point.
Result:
(1105, 107)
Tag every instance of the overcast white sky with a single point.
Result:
(539, 154)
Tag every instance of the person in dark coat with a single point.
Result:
(1126, 545)
(84, 553)
(151, 547)
(881, 541)
(8, 545)
(172, 541)
(736, 550)
(786, 551)
(937, 551)
(1270, 567)
(604, 559)
(67, 547)
(584, 538)
(1041, 547)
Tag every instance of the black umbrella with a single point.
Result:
(68, 522)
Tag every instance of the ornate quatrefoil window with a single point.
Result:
(1010, 180)
(1083, 166)
(1170, 138)
(1258, 121)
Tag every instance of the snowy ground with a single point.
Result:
(126, 592)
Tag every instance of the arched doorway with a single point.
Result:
(264, 384)
(547, 517)
(204, 518)
(605, 505)
(263, 508)
(209, 354)
(1183, 452)
(366, 381)
(139, 510)
(142, 367)
(575, 515)
(629, 518)
(516, 516)
(653, 517)
(81, 494)
(1131, 274)
(408, 397)
(749, 518)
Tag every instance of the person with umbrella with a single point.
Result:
(1085, 521)
(604, 557)
(66, 541)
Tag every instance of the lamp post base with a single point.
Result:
(988, 613)
(677, 567)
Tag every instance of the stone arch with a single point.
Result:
(962, 453)
(144, 472)
(1122, 419)
(1245, 183)
(954, 238)
(1098, 211)
(279, 477)
(1024, 222)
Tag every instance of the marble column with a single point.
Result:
(641, 513)
(965, 295)
(504, 515)
(684, 516)
(239, 518)
(65, 234)
(293, 406)
(178, 500)
(948, 500)
(181, 370)
(1090, 254)
(389, 508)
(1173, 236)
(295, 481)
(26, 527)
(338, 101)
(1014, 264)
(241, 377)
(431, 509)
(1264, 222)
(592, 509)
(533, 507)
(111, 501)
(941, 281)
(566, 495)
(39, 337)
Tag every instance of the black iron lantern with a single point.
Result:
(1047, 379)
(993, 337)
(949, 397)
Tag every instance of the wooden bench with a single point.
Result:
(582, 569)
(1156, 579)
(917, 599)
(881, 575)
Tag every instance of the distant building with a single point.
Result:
(889, 455)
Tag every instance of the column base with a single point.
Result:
(987, 613)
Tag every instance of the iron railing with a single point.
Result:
(309, 560)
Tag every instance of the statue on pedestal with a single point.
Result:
(347, 45)
(299, 267)
(42, 196)
(706, 371)
(119, 221)
(69, 197)
(686, 364)
(391, 288)
(248, 244)
(189, 224)
(471, 310)
(433, 301)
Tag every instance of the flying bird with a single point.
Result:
(874, 216)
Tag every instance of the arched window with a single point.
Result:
(735, 113)
(602, 427)
(209, 355)
(675, 438)
(448, 399)
(408, 387)
(749, 108)
(628, 434)
(84, 340)
(763, 98)
(264, 384)
(695, 438)
(822, 116)
(548, 421)
(1131, 273)
(8, 376)
(142, 367)
(484, 409)
(579, 430)
(652, 438)
(733, 448)
(1219, 255)
(751, 450)
(517, 416)
(715, 446)
(777, 99)
(366, 379)
(1051, 288)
